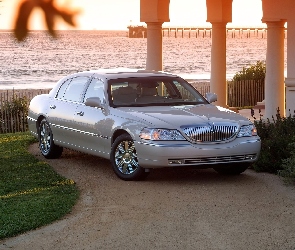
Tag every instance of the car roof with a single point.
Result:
(115, 73)
(126, 73)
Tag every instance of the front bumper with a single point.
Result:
(153, 154)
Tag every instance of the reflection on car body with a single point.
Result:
(141, 120)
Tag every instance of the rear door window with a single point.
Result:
(63, 88)
(74, 90)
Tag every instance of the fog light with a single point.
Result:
(250, 157)
(175, 162)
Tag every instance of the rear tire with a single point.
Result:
(46, 144)
(124, 159)
(232, 168)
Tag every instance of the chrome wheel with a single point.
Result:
(126, 158)
(47, 147)
(45, 138)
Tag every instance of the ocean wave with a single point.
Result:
(41, 59)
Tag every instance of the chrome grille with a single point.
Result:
(210, 132)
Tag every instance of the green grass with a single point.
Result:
(32, 194)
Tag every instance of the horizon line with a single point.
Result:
(164, 27)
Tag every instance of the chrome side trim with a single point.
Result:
(31, 119)
(79, 131)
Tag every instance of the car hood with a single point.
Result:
(176, 116)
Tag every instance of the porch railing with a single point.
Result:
(239, 93)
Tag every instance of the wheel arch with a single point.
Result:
(117, 133)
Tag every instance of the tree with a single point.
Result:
(51, 14)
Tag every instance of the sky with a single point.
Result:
(118, 14)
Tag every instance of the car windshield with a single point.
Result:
(153, 91)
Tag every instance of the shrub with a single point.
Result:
(253, 72)
(13, 115)
(288, 166)
(275, 136)
(17, 105)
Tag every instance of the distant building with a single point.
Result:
(137, 31)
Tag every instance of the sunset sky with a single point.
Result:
(118, 14)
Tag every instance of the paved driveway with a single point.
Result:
(172, 209)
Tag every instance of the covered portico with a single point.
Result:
(279, 91)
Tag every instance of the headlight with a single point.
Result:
(157, 134)
(247, 130)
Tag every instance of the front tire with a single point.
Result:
(46, 144)
(232, 168)
(124, 159)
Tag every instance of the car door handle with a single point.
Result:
(81, 113)
(52, 106)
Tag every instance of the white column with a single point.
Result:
(290, 80)
(274, 79)
(218, 63)
(154, 59)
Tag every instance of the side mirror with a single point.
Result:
(211, 97)
(94, 102)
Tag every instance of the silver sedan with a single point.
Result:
(141, 120)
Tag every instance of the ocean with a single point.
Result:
(41, 61)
